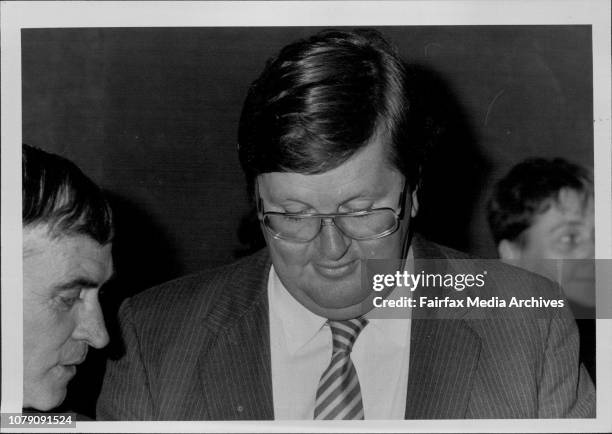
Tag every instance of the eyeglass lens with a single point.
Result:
(370, 225)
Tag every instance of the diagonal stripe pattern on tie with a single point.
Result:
(339, 394)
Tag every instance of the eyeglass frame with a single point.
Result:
(399, 215)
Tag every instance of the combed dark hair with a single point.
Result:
(56, 193)
(321, 100)
(531, 188)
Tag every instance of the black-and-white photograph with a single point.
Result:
(198, 203)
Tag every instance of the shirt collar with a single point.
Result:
(299, 324)
(394, 329)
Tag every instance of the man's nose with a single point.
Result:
(333, 244)
(91, 327)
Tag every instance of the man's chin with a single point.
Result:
(339, 309)
(338, 300)
(44, 400)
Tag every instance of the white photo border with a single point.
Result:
(20, 15)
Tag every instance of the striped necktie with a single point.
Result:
(339, 394)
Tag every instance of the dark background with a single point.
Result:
(151, 115)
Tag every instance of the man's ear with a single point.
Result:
(509, 250)
(415, 202)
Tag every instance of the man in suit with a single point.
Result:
(332, 160)
(67, 234)
(541, 215)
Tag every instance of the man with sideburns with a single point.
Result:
(332, 159)
(67, 242)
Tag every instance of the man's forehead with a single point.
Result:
(44, 236)
(68, 254)
(574, 201)
(368, 172)
(569, 203)
(285, 185)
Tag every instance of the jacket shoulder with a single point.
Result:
(502, 278)
(196, 296)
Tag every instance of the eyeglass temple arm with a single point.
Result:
(258, 200)
(402, 200)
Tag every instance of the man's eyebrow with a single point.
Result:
(570, 223)
(289, 201)
(366, 195)
(79, 282)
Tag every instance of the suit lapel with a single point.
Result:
(234, 364)
(444, 355)
(443, 358)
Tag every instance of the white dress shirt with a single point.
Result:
(301, 348)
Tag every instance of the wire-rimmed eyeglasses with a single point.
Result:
(362, 225)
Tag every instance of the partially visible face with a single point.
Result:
(556, 240)
(324, 274)
(564, 231)
(61, 312)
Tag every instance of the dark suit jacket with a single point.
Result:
(198, 348)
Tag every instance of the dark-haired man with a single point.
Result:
(67, 232)
(332, 160)
(543, 209)
(541, 215)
